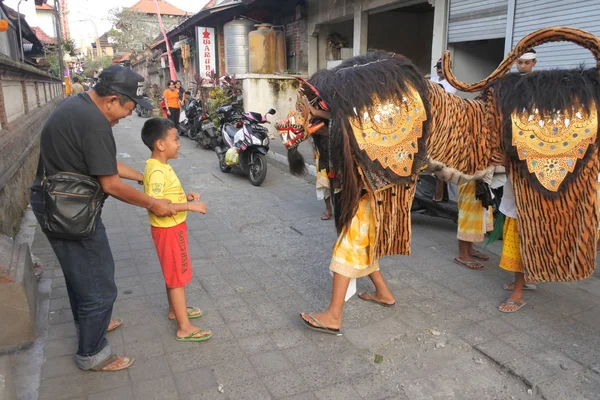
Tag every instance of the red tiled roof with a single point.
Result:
(42, 36)
(44, 7)
(148, 7)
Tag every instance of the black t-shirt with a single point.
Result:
(77, 138)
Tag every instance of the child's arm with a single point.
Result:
(196, 206)
(126, 172)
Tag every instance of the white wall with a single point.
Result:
(262, 92)
(45, 20)
(474, 61)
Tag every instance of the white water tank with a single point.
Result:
(236, 45)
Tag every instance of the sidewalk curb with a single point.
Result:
(311, 170)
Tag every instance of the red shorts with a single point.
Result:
(172, 249)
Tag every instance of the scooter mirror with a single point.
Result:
(271, 111)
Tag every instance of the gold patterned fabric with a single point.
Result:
(389, 132)
(551, 146)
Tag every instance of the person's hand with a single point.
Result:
(198, 207)
(168, 112)
(193, 196)
(499, 159)
(162, 208)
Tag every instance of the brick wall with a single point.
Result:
(296, 38)
(23, 112)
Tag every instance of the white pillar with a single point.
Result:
(440, 31)
(313, 54)
(361, 30)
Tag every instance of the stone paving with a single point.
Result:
(260, 256)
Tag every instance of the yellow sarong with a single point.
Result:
(473, 220)
(351, 251)
(511, 250)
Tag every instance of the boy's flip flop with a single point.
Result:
(319, 327)
(193, 338)
(371, 299)
(190, 313)
(510, 286)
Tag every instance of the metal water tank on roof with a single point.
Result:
(236, 45)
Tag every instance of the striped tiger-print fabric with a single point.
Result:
(461, 132)
(391, 208)
(558, 236)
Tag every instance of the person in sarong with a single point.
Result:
(473, 222)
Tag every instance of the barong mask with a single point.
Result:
(300, 124)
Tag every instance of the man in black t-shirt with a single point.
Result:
(78, 138)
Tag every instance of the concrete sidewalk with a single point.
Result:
(260, 257)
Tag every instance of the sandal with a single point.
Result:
(480, 256)
(193, 338)
(192, 312)
(113, 363)
(519, 305)
(370, 298)
(511, 286)
(319, 327)
(325, 216)
(114, 324)
(474, 265)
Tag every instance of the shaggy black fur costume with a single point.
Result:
(548, 91)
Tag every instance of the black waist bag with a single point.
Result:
(72, 205)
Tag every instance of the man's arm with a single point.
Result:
(126, 172)
(114, 186)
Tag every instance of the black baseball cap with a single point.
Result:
(126, 82)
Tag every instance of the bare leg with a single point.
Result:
(171, 311)
(327, 214)
(516, 295)
(382, 292)
(184, 327)
(332, 317)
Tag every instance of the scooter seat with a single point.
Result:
(231, 130)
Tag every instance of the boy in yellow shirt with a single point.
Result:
(170, 233)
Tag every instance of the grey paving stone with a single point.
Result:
(376, 387)
(306, 354)
(60, 316)
(120, 393)
(156, 389)
(256, 344)
(557, 362)
(252, 390)
(286, 383)
(61, 331)
(80, 384)
(59, 366)
(144, 349)
(320, 375)
(244, 329)
(148, 369)
(235, 371)
(499, 351)
(195, 380)
(341, 391)
(376, 334)
(285, 338)
(269, 363)
(530, 371)
(523, 342)
(302, 396)
(60, 347)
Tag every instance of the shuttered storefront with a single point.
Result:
(477, 20)
(535, 14)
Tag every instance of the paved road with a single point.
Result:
(260, 256)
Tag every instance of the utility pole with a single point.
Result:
(59, 38)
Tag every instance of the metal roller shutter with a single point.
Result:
(476, 20)
(535, 14)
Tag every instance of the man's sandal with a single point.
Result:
(114, 324)
(474, 265)
(114, 363)
(519, 305)
(511, 286)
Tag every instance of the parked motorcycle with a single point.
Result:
(187, 127)
(142, 112)
(448, 207)
(245, 143)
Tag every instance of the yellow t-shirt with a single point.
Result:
(161, 182)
